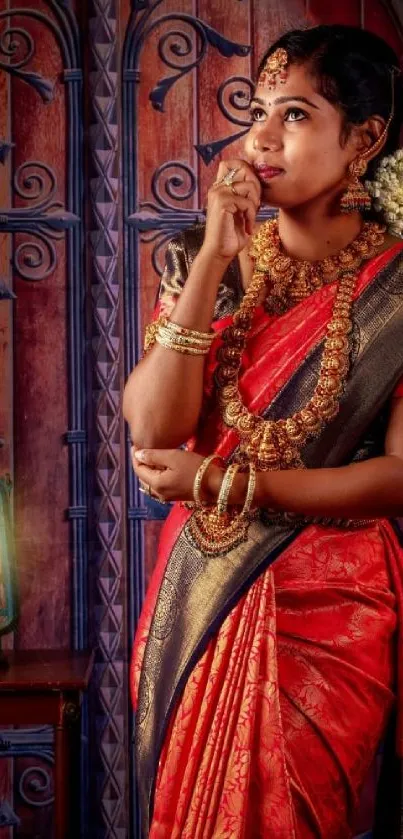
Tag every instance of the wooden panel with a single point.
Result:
(6, 377)
(345, 11)
(6, 307)
(40, 391)
(124, 15)
(271, 19)
(165, 136)
(379, 20)
(40, 401)
(214, 71)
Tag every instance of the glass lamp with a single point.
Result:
(8, 589)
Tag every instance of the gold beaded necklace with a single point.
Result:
(276, 444)
(289, 280)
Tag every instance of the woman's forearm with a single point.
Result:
(163, 395)
(371, 489)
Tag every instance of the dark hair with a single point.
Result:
(355, 70)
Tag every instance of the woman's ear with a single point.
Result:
(368, 133)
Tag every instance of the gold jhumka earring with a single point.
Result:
(275, 67)
(356, 196)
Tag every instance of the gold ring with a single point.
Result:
(145, 488)
(228, 178)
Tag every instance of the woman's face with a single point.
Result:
(294, 142)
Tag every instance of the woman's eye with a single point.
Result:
(257, 114)
(295, 115)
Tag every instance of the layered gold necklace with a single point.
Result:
(288, 280)
(277, 444)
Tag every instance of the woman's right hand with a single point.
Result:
(231, 211)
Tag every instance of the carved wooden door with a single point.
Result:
(113, 117)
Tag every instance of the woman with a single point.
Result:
(264, 665)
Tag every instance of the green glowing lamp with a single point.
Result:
(8, 588)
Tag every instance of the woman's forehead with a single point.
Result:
(300, 83)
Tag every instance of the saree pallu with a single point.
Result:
(264, 679)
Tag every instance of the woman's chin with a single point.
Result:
(270, 197)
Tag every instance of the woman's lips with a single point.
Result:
(267, 173)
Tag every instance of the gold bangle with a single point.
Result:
(170, 345)
(182, 340)
(222, 501)
(176, 335)
(250, 492)
(201, 339)
(200, 475)
(190, 333)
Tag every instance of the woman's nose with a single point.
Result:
(266, 140)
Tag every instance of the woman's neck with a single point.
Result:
(310, 235)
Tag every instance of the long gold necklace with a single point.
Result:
(277, 444)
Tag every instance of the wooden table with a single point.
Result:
(44, 687)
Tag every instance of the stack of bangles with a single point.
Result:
(226, 485)
(179, 338)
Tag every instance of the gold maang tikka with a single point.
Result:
(275, 67)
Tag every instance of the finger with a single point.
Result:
(148, 476)
(232, 202)
(226, 165)
(156, 458)
(242, 205)
(244, 171)
(248, 189)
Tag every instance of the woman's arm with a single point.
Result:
(163, 395)
(371, 489)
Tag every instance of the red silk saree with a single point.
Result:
(264, 679)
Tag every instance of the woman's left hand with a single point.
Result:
(168, 474)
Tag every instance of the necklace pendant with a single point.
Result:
(216, 534)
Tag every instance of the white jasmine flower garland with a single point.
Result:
(387, 190)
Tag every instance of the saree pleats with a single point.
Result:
(304, 659)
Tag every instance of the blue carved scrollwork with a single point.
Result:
(14, 40)
(45, 219)
(238, 91)
(7, 816)
(35, 783)
(183, 47)
(159, 220)
(5, 292)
